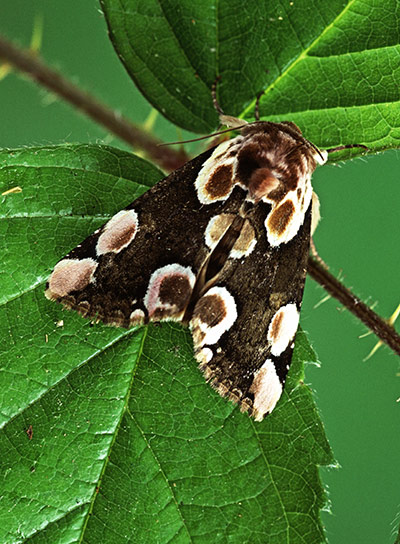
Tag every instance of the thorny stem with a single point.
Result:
(30, 64)
(357, 307)
(169, 159)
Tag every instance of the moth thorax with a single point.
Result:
(261, 183)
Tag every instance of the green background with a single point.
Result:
(358, 235)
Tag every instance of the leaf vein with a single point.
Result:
(164, 475)
(301, 56)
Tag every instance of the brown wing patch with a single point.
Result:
(220, 183)
(174, 290)
(214, 314)
(210, 309)
(280, 218)
(275, 326)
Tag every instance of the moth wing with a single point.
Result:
(142, 264)
(244, 327)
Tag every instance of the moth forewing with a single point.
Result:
(220, 244)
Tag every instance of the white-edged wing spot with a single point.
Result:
(214, 314)
(169, 291)
(282, 328)
(285, 218)
(137, 317)
(204, 356)
(266, 389)
(215, 180)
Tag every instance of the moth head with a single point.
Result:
(273, 158)
(287, 140)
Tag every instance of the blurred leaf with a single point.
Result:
(129, 444)
(398, 538)
(331, 67)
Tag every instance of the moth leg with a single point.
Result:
(316, 256)
(226, 120)
(315, 218)
(315, 212)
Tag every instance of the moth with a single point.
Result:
(219, 245)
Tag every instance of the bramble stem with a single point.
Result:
(356, 306)
(30, 64)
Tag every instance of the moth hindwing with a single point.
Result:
(221, 245)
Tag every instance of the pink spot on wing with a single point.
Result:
(266, 388)
(118, 233)
(70, 275)
(169, 291)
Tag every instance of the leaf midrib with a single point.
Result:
(300, 57)
(124, 410)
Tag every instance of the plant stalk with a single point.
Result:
(28, 63)
(383, 330)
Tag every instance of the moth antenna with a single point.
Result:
(226, 120)
(214, 95)
(317, 150)
(257, 106)
(208, 135)
(348, 146)
(303, 144)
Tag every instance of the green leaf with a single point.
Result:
(129, 443)
(62, 195)
(398, 538)
(331, 67)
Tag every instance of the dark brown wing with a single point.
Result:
(262, 293)
(142, 264)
